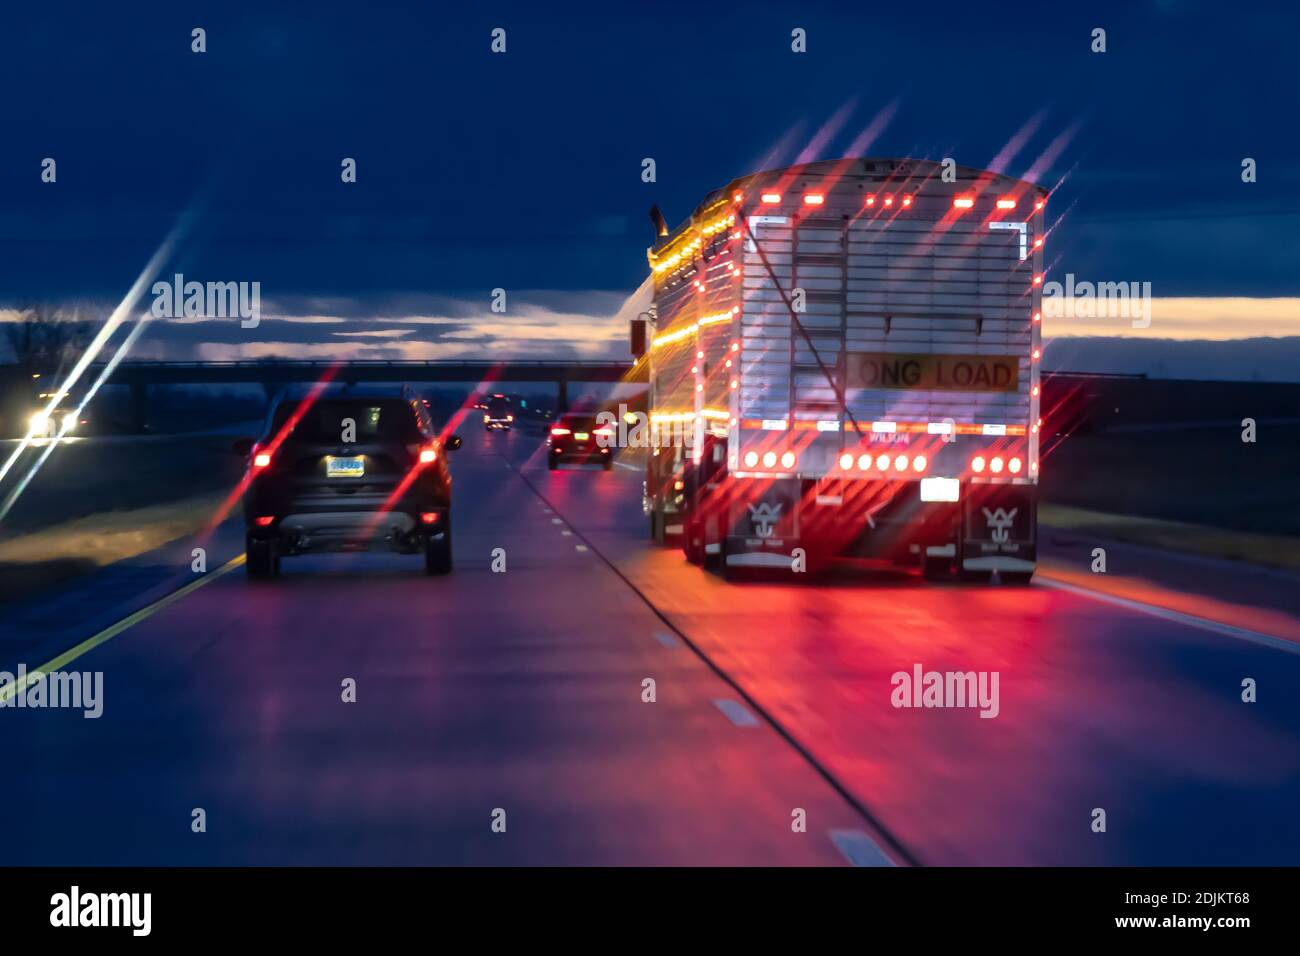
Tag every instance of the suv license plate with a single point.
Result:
(344, 467)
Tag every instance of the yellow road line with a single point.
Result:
(110, 632)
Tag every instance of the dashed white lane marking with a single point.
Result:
(737, 713)
(666, 639)
(556, 521)
(1228, 630)
(579, 547)
(567, 533)
(859, 849)
(623, 464)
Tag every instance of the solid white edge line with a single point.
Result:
(623, 464)
(859, 849)
(736, 712)
(1227, 630)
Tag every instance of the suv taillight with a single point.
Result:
(261, 459)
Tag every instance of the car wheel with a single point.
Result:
(552, 463)
(608, 464)
(437, 553)
(1016, 578)
(260, 559)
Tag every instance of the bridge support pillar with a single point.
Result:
(562, 396)
(139, 407)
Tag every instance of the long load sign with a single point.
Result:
(950, 373)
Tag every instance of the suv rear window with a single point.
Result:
(500, 406)
(582, 423)
(376, 419)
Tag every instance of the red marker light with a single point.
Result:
(963, 202)
(907, 201)
(1006, 204)
(813, 199)
(428, 517)
(889, 200)
(771, 198)
(263, 521)
(871, 200)
(262, 459)
(428, 455)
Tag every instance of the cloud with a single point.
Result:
(1217, 318)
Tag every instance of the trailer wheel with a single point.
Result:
(693, 543)
(1016, 578)
(936, 569)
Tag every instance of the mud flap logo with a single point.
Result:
(764, 517)
(1000, 522)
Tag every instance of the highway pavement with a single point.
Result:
(520, 696)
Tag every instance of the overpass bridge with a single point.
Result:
(141, 374)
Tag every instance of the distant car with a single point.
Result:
(353, 469)
(64, 419)
(500, 413)
(579, 438)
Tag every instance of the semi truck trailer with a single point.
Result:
(846, 354)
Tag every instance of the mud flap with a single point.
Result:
(999, 528)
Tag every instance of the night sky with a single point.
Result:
(522, 170)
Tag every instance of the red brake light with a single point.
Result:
(557, 432)
(428, 517)
(604, 430)
(261, 459)
(428, 455)
(263, 521)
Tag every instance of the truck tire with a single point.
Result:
(936, 569)
(693, 543)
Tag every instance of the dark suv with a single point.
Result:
(580, 438)
(347, 469)
(500, 413)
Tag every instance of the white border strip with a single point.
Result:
(1227, 630)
